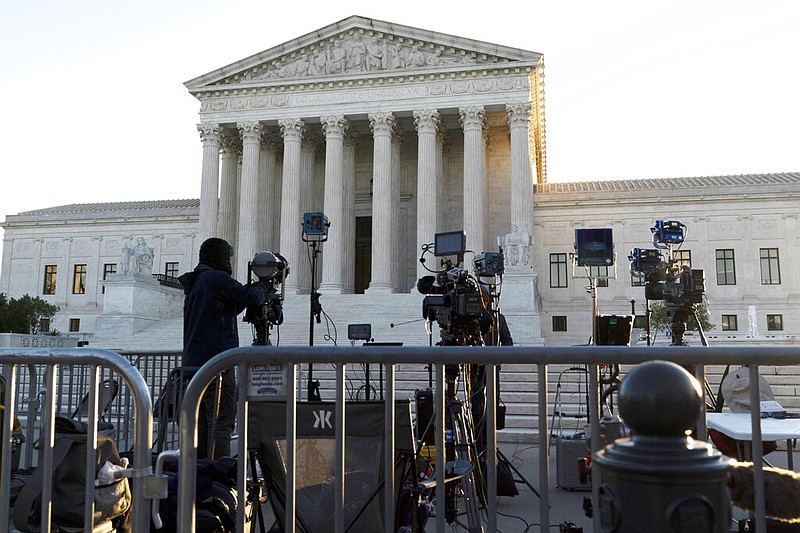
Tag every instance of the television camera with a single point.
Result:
(459, 301)
(679, 286)
(454, 298)
(271, 269)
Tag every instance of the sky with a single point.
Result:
(95, 110)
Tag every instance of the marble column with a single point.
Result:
(269, 193)
(229, 188)
(308, 155)
(335, 128)
(473, 120)
(209, 185)
(427, 123)
(383, 236)
(521, 175)
(349, 223)
(248, 198)
(442, 194)
(291, 216)
(400, 223)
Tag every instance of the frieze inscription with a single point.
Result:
(495, 85)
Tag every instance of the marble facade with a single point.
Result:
(417, 131)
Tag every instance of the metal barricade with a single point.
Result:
(66, 374)
(594, 357)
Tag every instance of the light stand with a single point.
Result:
(315, 231)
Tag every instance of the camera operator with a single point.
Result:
(213, 300)
(494, 329)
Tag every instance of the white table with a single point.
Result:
(739, 426)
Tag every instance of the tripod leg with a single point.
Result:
(464, 447)
(257, 488)
(522, 479)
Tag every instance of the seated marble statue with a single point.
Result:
(139, 259)
(516, 247)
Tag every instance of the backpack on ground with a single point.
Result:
(112, 499)
(216, 498)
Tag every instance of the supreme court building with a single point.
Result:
(395, 133)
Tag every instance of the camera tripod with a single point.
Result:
(461, 452)
(680, 316)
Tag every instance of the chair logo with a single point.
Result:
(322, 419)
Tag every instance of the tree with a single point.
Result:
(661, 320)
(25, 314)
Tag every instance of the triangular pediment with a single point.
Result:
(358, 47)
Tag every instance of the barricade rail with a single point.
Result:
(41, 379)
(594, 357)
(72, 385)
(53, 376)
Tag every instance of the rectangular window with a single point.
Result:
(729, 323)
(726, 267)
(559, 323)
(171, 269)
(770, 267)
(44, 325)
(108, 269)
(79, 280)
(50, 272)
(681, 258)
(600, 274)
(775, 322)
(74, 324)
(558, 270)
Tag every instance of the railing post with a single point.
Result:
(660, 480)
(544, 450)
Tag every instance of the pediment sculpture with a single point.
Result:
(359, 54)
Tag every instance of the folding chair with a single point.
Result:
(107, 393)
(167, 407)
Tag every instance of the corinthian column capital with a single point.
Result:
(230, 142)
(382, 123)
(518, 114)
(250, 131)
(427, 120)
(472, 117)
(335, 125)
(312, 141)
(269, 139)
(209, 132)
(292, 128)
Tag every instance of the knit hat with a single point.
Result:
(217, 253)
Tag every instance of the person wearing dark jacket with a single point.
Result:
(213, 300)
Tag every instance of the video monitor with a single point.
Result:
(450, 243)
(594, 247)
(359, 332)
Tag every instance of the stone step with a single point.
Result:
(518, 383)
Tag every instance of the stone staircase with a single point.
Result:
(518, 383)
(393, 318)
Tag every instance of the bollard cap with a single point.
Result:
(660, 399)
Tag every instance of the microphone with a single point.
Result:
(781, 491)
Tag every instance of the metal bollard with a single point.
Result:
(660, 479)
